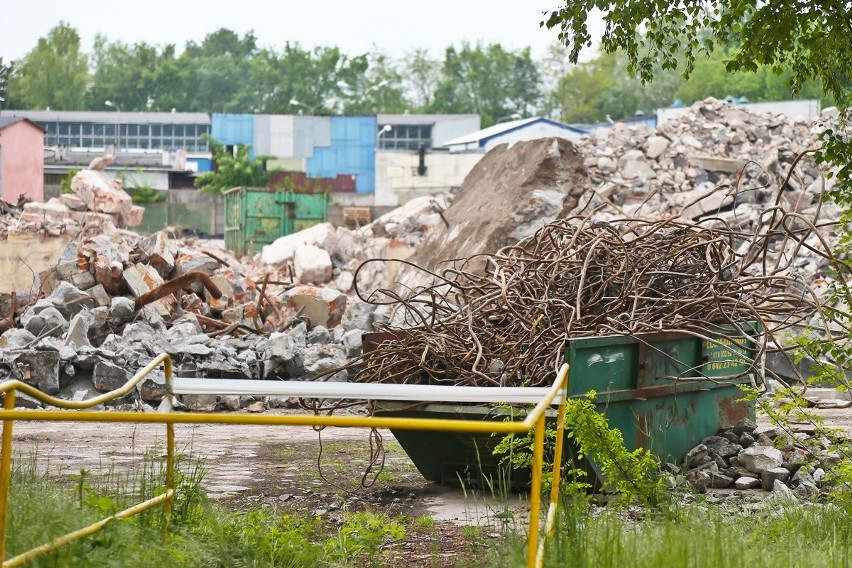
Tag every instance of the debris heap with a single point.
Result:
(509, 323)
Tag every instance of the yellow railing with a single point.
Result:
(534, 420)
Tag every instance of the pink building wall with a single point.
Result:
(22, 161)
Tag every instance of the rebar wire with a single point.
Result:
(579, 277)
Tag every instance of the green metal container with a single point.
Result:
(256, 216)
(633, 381)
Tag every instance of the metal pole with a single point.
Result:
(535, 491)
(5, 470)
(170, 458)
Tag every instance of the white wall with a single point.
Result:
(397, 180)
(532, 132)
(449, 129)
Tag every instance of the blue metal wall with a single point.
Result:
(352, 151)
(232, 129)
(204, 164)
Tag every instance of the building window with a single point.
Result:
(167, 137)
(406, 137)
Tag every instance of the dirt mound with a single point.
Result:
(511, 193)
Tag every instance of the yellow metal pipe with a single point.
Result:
(557, 476)
(534, 418)
(170, 477)
(89, 530)
(535, 491)
(15, 384)
(425, 424)
(5, 469)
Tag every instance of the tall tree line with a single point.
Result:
(229, 73)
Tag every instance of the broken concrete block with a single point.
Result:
(283, 249)
(283, 355)
(122, 309)
(99, 295)
(40, 369)
(78, 331)
(655, 146)
(322, 306)
(195, 260)
(758, 458)
(83, 280)
(108, 377)
(358, 315)
(52, 211)
(320, 359)
(226, 288)
(62, 272)
(48, 321)
(132, 218)
(140, 279)
(153, 387)
(158, 251)
(69, 299)
(200, 402)
(352, 342)
(99, 194)
(16, 338)
(80, 389)
(72, 202)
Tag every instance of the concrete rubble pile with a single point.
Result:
(745, 456)
(98, 204)
(716, 158)
(329, 255)
(115, 301)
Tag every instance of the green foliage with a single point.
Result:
(233, 169)
(810, 42)
(139, 187)
(137, 77)
(54, 74)
(363, 534)
(65, 185)
(487, 80)
(634, 476)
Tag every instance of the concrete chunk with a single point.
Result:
(40, 369)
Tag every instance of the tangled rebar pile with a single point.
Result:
(509, 325)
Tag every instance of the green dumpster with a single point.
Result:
(256, 216)
(634, 381)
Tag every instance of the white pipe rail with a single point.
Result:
(360, 391)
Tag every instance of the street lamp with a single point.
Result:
(513, 116)
(297, 103)
(384, 130)
(118, 122)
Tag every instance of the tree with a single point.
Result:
(422, 73)
(601, 88)
(5, 71)
(712, 79)
(298, 80)
(234, 168)
(219, 69)
(54, 74)
(130, 75)
(489, 81)
(811, 41)
(379, 89)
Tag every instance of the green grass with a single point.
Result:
(202, 533)
(778, 534)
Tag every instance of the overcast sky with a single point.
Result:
(394, 26)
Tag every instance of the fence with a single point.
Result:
(543, 397)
